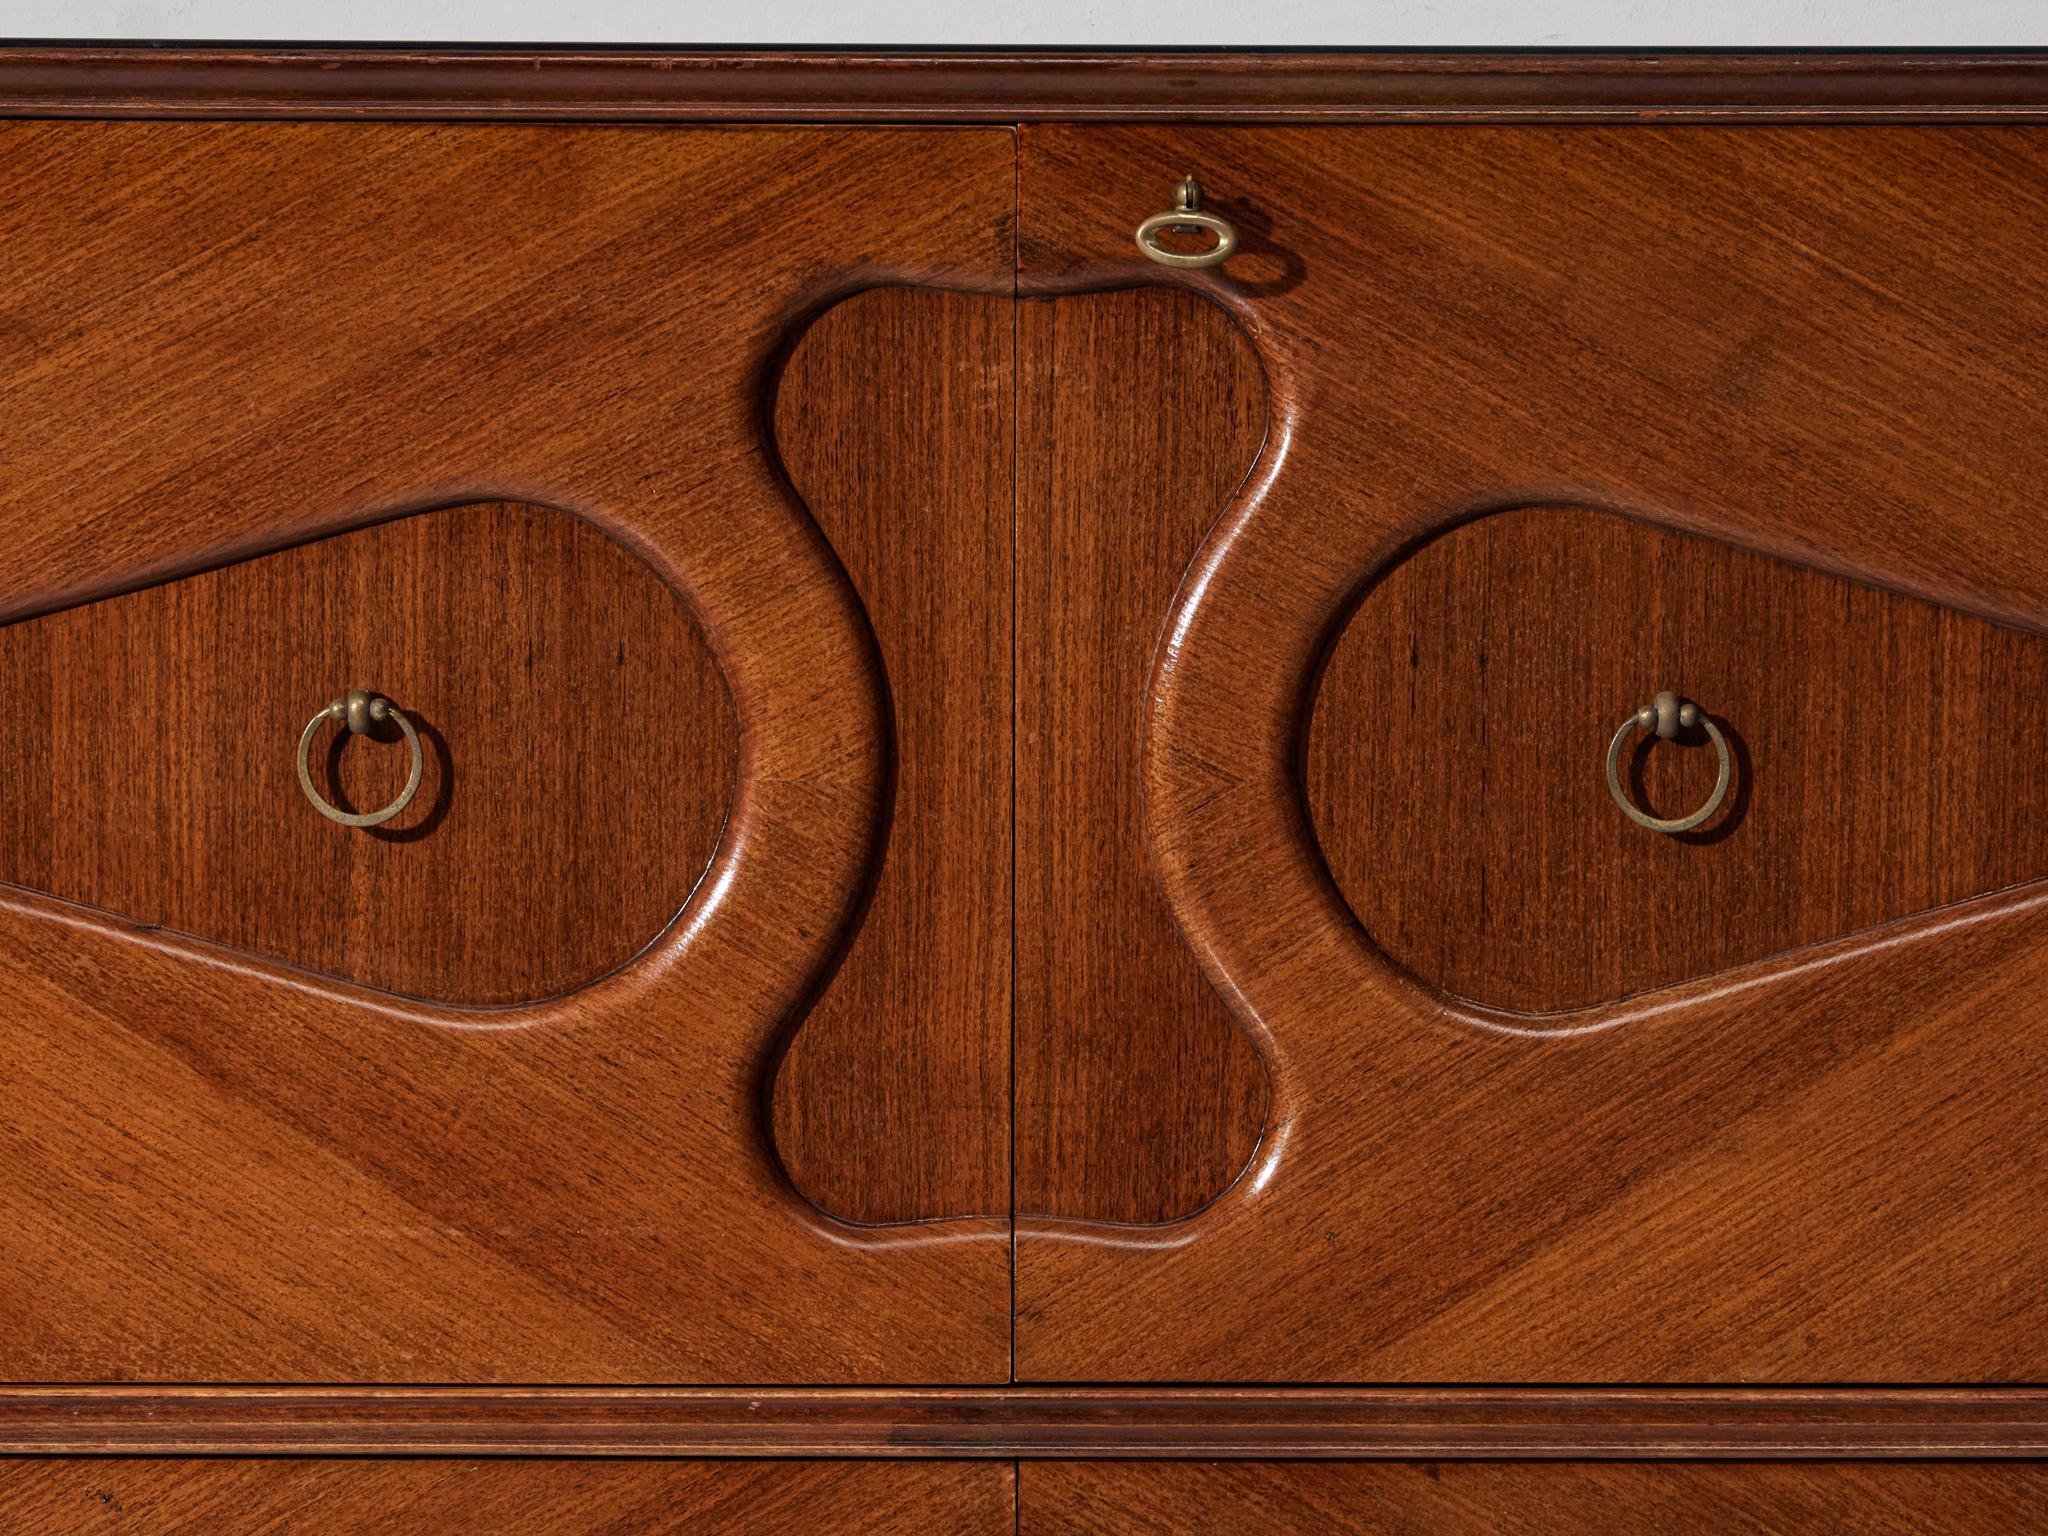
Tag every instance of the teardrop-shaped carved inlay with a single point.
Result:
(1456, 758)
(577, 739)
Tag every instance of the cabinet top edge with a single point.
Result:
(1011, 87)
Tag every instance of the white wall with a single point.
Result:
(1051, 23)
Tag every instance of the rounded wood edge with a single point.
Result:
(999, 86)
(708, 885)
(543, 1008)
(1348, 1423)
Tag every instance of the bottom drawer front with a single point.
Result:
(312, 1496)
(1106, 1498)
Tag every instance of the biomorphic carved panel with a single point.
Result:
(1456, 758)
(1139, 1098)
(893, 417)
(576, 754)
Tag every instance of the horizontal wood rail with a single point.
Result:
(1145, 1422)
(636, 85)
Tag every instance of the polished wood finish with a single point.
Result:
(893, 1103)
(1151, 1422)
(1823, 1167)
(1817, 1165)
(579, 750)
(1467, 705)
(220, 339)
(1006, 86)
(548, 1498)
(1138, 1098)
(1507, 1499)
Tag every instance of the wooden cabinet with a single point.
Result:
(985, 829)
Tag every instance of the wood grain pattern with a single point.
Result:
(579, 752)
(1007, 86)
(1819, 345)
(1823, 347)
(1689, 1423)
(1506, 1499)
(894, 418)
(1467, 705)
(549, 1498)
(1138, 1099)
(220, 339)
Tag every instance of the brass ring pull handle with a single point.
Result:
(361, 709)
(1667, 716)
(1187, 216)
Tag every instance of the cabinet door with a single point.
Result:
(1552, 421)
(684, 949)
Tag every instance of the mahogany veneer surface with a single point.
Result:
(1822, 345)
(1466, 709)
(1453, 1498)
(75, 1496)
(1138, 1099)
(578, 747)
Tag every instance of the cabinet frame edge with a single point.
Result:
(1002, 86)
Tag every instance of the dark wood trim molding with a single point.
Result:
(1151, 1422)
(982, 87)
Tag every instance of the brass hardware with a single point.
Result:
(1667, 716)
(360, 710)
(1187, 217)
